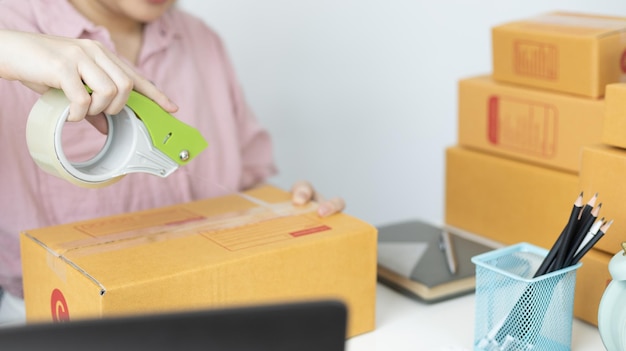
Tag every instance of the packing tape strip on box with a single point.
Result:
(183, 223)
(228, 230)
(568, 20)
(141, 138)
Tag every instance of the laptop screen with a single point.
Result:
(301, 326)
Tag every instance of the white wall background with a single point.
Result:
(360, 95)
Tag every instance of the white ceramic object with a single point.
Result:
(612, 310)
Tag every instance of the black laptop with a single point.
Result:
(301, 326)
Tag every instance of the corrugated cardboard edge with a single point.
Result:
(69, 263)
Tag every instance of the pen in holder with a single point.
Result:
(516, 311)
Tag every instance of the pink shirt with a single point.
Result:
(184, 58)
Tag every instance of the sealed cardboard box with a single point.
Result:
(614, 131)
(565, 52)
(532, 125)
(234, 250)
(603, 170)
(505, 200)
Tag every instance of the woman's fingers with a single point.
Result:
(47, 61)
(302, 192)
(332, 206)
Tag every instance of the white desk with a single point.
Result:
(406, 324)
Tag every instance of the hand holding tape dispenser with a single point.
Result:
(141, 138)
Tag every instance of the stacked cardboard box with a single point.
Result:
(528, 137)
(603, 167)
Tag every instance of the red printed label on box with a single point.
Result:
(535, 59)
(522, 125)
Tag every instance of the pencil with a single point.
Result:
(593, 241)
(585, 227)
(548, 260)
(564, 249)
(588, 207)
(593, 231)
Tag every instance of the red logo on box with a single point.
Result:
(58, 305)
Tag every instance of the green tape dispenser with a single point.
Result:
(141, 138)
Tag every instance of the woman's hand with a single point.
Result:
(42, 62)
(303, 192)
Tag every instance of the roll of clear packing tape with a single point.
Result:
(43, 136)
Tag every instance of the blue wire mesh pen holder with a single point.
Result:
(516, 312)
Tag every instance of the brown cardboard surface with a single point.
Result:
(532, 125)
(510, 202)
(603, 170)
(566, 52)
(506, 200)
(614, 131)
(226, 251)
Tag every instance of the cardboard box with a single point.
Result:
(220, 252)
(614, 131)
(505, 200)
(603, 171)
(564, 52)
(532, 125)
(510, 202)
(592, 278)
